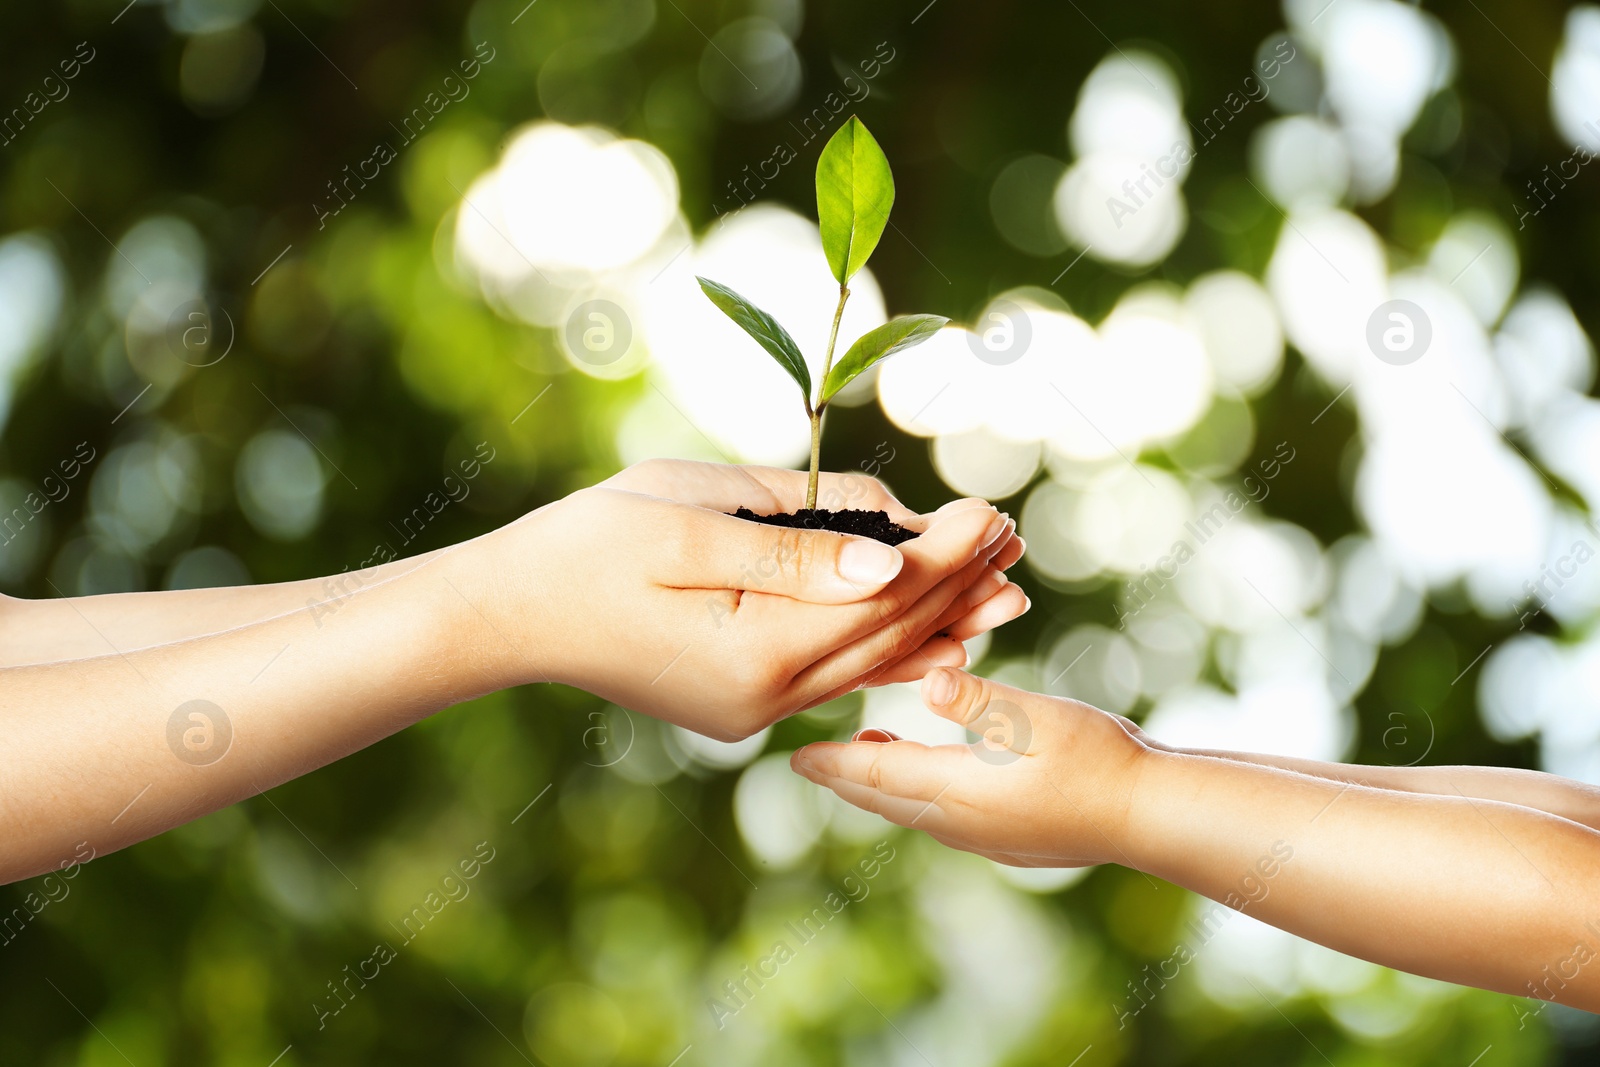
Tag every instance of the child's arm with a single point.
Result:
(1576, 801)
(1464, 889)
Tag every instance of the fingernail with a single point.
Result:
(1027, 603)
(866, 562)
(997, 526)
(995, 547)
(941, 687)
(805, 765)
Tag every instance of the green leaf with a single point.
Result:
(896, 335)
(765, 329)
(854, 193)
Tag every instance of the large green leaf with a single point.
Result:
(765, 329)
(896, 335)
(854, 193)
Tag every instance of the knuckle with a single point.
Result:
(793, 553)
(974, 703)
(875, 772)
(904, 634)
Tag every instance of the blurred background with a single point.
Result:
(1271, 325)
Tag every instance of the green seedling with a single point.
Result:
(855, 191)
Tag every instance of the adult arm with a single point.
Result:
(66, 628)
(636, 597)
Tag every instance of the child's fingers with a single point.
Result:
(913, 814)
(900, 780)
(1005, 717)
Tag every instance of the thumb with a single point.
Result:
(817, 566)
(1002, 717)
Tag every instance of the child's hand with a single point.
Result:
(1049, 783)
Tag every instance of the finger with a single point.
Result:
(917, 651)
(953, 542)
(906, 769)
(1010, 552)
(961, 504)
(1008, 604)
(935, 652)
(719, 551)
(901, 636)
(911, 653)
(900, 780)
(835, 492)
(1008, 718)
(764, 490)
(963, 620)
(992, 584)
(977, 597)
(915, 814)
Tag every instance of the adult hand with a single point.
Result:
(680, 611)
(644, 600)
(774, 490)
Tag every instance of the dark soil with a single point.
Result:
(873, 524)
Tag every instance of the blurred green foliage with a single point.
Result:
(617, 903)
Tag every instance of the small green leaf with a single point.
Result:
(854, 193)
(765, 329)
(896, 335)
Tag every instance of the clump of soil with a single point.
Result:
(873, 524)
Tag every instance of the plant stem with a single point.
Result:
(816, 458)
(816, 411)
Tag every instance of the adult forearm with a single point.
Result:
(1465, 890)
(1551, 793)
(117, 748)
(46, 631)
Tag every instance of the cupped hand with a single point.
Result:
(677, 610)
(772, 490)
(1049, 783)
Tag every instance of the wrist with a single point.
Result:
(498, 588)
